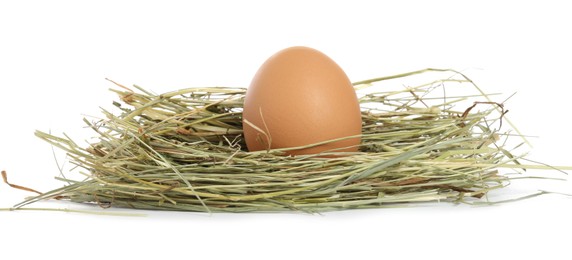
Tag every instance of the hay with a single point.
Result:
(183, 150)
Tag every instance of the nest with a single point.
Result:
(184, 151)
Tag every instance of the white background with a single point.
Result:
(55, 56)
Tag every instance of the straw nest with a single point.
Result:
(183, 150)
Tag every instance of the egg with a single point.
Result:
(300, 97)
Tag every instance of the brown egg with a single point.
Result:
(299, 97)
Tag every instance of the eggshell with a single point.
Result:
(298, 97)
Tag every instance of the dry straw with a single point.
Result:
(183, 150)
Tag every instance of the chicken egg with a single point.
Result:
(300, 97)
